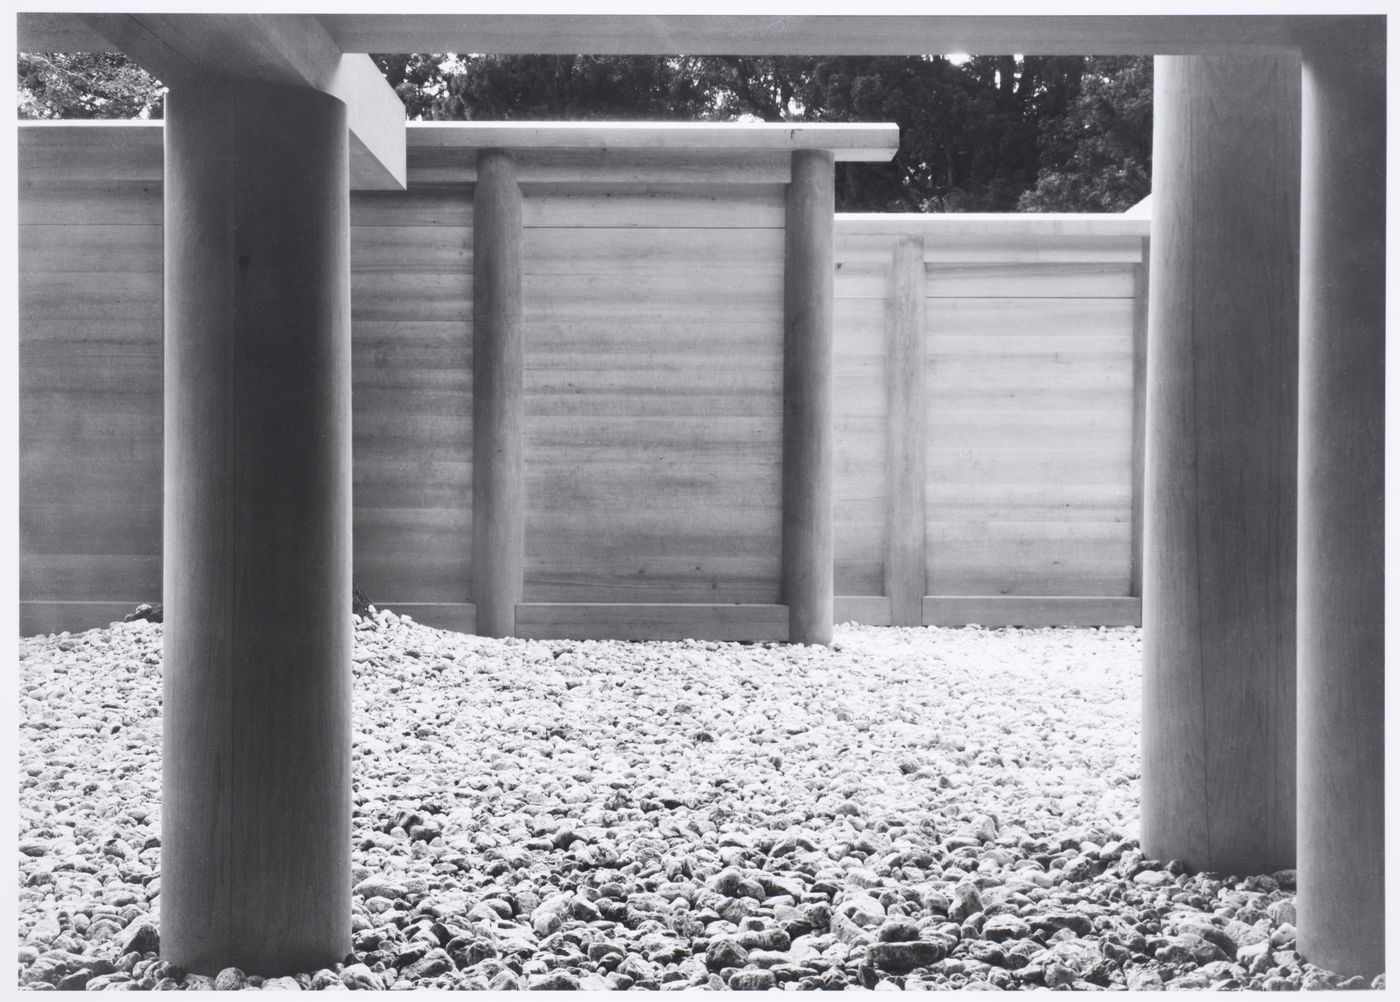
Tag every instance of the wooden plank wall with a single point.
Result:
(653, 389)
(1029, 416)
(411, 356)
(653, 438)
(90, 379)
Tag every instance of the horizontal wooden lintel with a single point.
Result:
(870, 141)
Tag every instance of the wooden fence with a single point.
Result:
(989, 413)
(987, 476)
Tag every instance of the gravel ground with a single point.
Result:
(909, 808)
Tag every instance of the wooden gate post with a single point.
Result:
(1341, 509)
(255, 857)
(498, 389)
(808, 571)
(1219, 570)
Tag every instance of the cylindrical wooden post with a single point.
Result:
(498, 387)
(1341, 511)
(808, 571)
(907, 518)
(1218, 737)
(255, 857)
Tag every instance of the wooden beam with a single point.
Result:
(822, 34)
(1219, 575)
(868, 141)
(498, 392)
(290, 50)
(1341, 507)
(825, 34)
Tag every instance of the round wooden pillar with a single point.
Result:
(1218, 741)
(255, 858)
(498, 388)
(808, 570)
(1341, 511)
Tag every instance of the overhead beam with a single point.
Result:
(621, 34)
(283, 49)
(853, 35)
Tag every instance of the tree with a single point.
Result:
(86, 85)
(1097, 156)
(981, 134)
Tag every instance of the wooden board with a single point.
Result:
(652, 621)
(1030, 611)
(872, 610)
(668, 206)
(421, 205)
(37, 617)
(611, 167)
(131, 203)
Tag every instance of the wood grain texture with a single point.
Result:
(906, 447)
(540, 169)
(1032, 611)
(747, 206)
(90, 391)
(1219, 575)
(653, 385)
(255, 842)
(498, 390)
(1341, 517)
(876, 141)
(656, 621)
(92, 151)
(39, 617)
(872, 610)
(1140, 328)
(806, 34)
(808, 452)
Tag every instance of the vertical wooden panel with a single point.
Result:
(255, 854)
(1219, 577)
(498, 386)
(1140, 292)
(807, 571)
(1341, 509)
(904, 555)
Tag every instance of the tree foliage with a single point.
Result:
(981, 134)
(1096, 157)
(86, 85)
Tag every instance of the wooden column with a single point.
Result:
(255, 856)
(498, 387)
(905, 357)
(808, 571)
(1341, 483)
(1219, 569)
